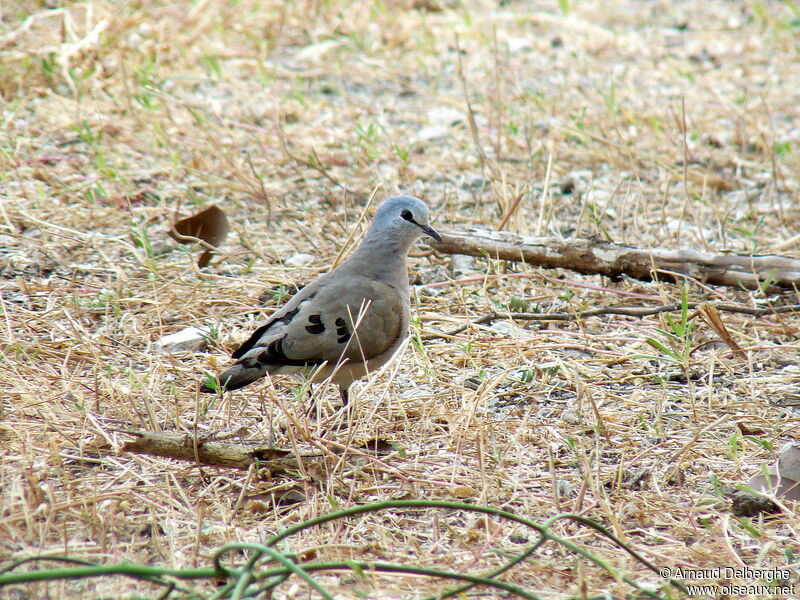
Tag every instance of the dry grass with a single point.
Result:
(116, 119)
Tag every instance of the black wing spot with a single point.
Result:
(316, 324)
(258, 333)
(250, 363)
(274, 352)
(250, 343)
(288, 316)
(342, 331)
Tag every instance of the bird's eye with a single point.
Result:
(406, 214)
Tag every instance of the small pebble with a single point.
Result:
(432, 132)
(570, 416)
(444, 115)
(191, 339)
(564, 489)
(461, 263)
(427, 274)
(300, 260)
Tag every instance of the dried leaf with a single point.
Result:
(209, 225)
(711, 316)
(205, 258)
(747, 430)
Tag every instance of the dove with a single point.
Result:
(349, 321)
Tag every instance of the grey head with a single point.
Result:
(398, 222)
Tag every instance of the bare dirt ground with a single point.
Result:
(654, 124)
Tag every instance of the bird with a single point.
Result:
(347, 322)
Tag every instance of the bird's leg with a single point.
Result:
(348, 408)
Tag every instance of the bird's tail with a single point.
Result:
(239, 374)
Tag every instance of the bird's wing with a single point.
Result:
(344, 316)
(352, 317)
(282, 316)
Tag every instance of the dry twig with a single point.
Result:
(770, 273)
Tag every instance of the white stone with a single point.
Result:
(461, 263)
(445, 116)
(518, 44)
(316, 52)
(300, 260)
(191, 339)
(571, 416)
(432, 132)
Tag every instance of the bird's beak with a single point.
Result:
(428, 230)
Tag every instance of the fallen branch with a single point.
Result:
(214, 452)
(596, 257)
(632, 311)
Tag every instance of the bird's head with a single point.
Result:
(405, 217)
